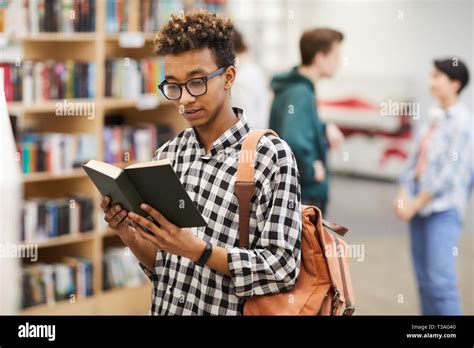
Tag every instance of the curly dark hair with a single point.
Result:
(197, 29)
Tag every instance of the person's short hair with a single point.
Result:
(317, 40)
(239, 43)
(197, 29)
(455, 69)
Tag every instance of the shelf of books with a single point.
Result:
(82, 86)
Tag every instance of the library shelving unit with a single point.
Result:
(96, 47)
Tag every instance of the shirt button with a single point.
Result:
(196, 189)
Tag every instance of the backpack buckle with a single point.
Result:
(348, 311)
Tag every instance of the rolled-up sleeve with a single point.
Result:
(145, 269)
(272, 264)
(159, 262)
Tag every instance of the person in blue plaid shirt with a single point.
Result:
(203, 271)
(435, 188)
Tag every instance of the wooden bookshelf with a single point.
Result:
(47, 106)
(110, 103)
(72, 238)
(115, 37)
(59, 37)
(136, 301)
(41, 176)
(96, 47)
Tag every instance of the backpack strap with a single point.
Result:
(339, 229)
(244, 187)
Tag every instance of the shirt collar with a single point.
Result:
(230, 137)
(454, 109)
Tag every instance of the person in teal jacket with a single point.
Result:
(294, 114)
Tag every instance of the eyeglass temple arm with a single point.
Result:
(215, 73)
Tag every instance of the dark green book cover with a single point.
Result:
(154, 183)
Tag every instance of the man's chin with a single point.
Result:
(197, 122)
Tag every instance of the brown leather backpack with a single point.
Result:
(324, 285)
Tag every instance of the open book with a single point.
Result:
(154, 183)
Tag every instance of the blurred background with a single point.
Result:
(80, 82)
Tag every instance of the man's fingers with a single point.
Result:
(126, 221)
(136, 227)
(133, 223)
(113, 211)
(109, 216)
(143, 222)
(147, 237)
(117, 219)
(157, 216)
(104, 204)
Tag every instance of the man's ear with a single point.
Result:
(456, 85)
(318, 58)
(229, 77)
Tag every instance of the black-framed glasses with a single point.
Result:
(196, 86)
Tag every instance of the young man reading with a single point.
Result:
(203, 271)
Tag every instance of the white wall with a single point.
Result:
(394, 38)
(394, 41)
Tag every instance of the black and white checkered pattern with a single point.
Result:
(181, 287)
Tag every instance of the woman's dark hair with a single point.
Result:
(455, 69)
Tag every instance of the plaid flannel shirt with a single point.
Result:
(271, 265)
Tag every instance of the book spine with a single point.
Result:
(92, 80)
(41, 15)
(70, 79)
(132, 78)
(117, 140)
(92, 16)
(45, 85)
(55, 152)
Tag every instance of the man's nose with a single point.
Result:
(186, 98)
